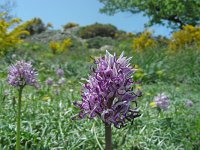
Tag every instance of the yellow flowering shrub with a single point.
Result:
(188, 36)
(143, 41)
(60, 46)
(54, 46)
(11, 38)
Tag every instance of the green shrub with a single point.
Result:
(162, 41)
(69, 25)
(49, 25)
(103, 30)
(36, 26)
(121, 35)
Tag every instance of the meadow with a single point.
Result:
(47, 110)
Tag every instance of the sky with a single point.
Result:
(83, 12)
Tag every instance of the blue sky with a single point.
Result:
(83, 12)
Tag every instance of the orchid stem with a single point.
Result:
(18, 119)
(108, 137)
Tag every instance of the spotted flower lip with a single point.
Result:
(108, 91)
(21, 74)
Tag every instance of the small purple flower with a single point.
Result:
(108, 92)
(161, 101)
(49, 81)
(60, 72)
(21, 74)
(189, 103)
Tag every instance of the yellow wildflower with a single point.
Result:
(187, 36)
(60, 46)
(46, 98)
(10, 38)
(152, 104)
(143, 41)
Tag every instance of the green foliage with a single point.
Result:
(49, 25)
(35, 26)
(98, 42)
(97, 29)
(122, 35)
(177, 13)
(159, 65)
(125, 44)
(162, 41)
(70, 25)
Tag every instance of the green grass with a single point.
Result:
(46, 117)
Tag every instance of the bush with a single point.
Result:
(162, 41)
(60, 46)
(12, 38)
(103, 30)
(121, 35)
(70, 25)
(49, 25)
(188, 36)
(143, 41)
(35, 25)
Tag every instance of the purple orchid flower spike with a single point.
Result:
(21, 74)
(108, 92)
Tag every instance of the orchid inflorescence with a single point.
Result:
(22, 74)
(19, 75)
(108, 92)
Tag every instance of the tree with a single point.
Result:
(6, 7)
(10, 38)
(173, 13)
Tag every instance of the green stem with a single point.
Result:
(108, 137)
(18, 120)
